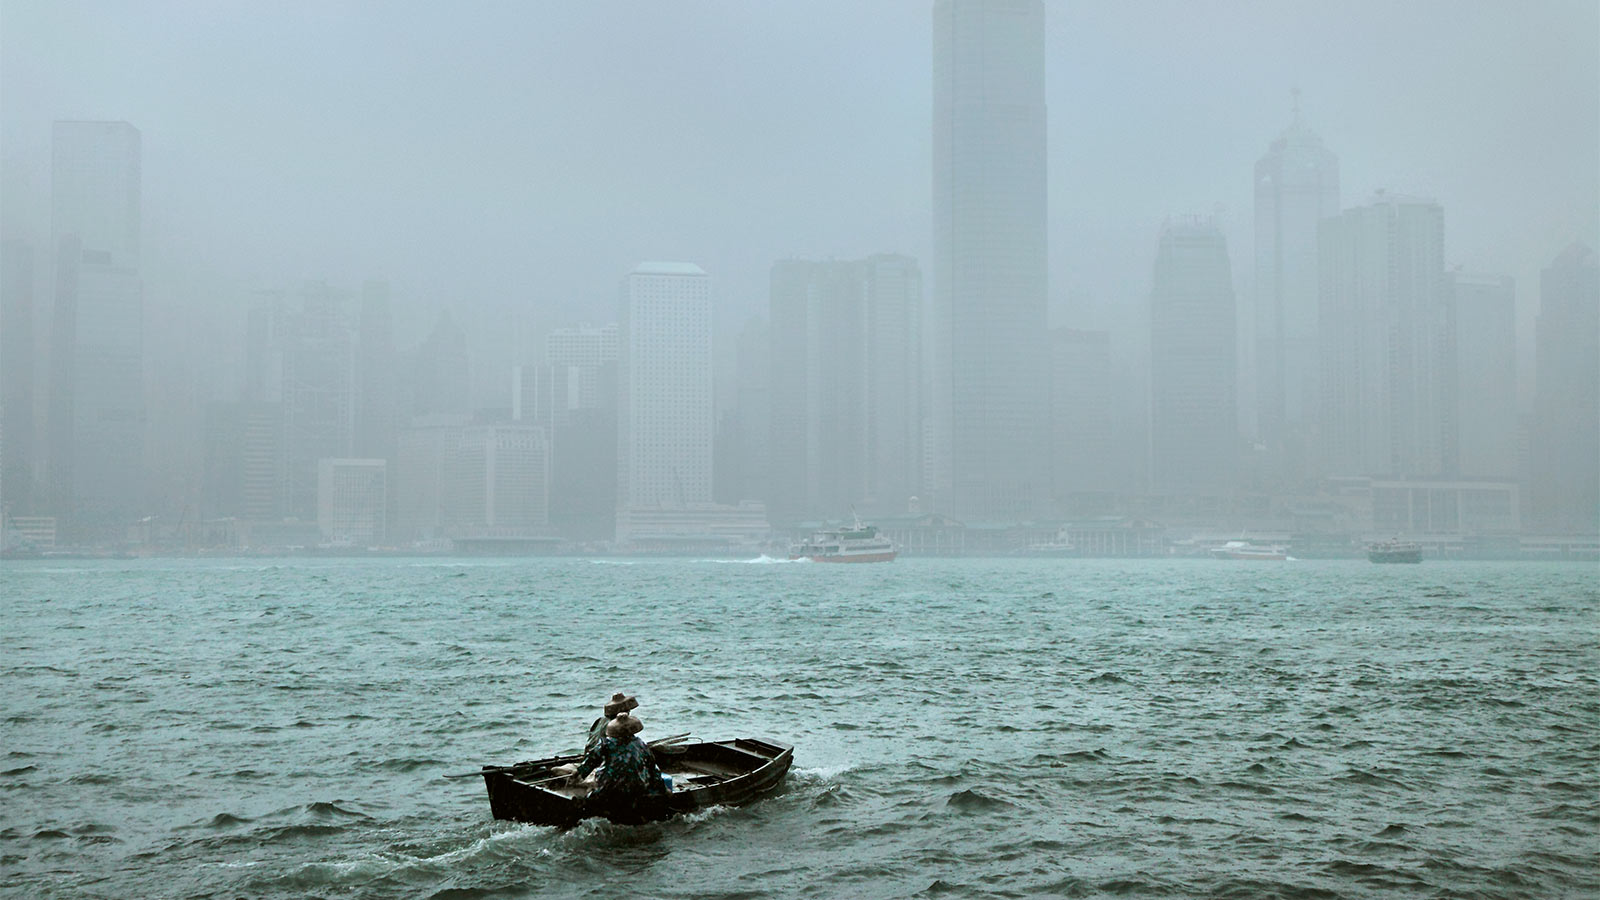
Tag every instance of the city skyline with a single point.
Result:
(308, 207)
(940, 395)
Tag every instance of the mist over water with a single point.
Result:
(962, 728)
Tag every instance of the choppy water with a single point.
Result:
(963, 728)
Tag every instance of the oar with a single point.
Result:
(534, 764)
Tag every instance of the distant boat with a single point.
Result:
(1247, 550)
(857, 544)
(1061, 546)
(1395, 552)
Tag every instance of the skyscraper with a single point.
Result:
(1384, 340)
(1566, 427)
(845, 384)
(1194, 434)
(1296, 186)
(97, 351)
(665, 418)
(988, 347)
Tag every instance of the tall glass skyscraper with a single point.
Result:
(988, 348)
(1297, 186)
(97, 416)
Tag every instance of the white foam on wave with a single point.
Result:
(370, 865)
(826, 773)
(762, 560)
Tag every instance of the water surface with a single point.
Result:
(963, 728)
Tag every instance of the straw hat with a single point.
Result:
(624, 724)
(620, 702)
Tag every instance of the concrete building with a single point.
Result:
(352, 501)
(1384, 341)
(1296, 187)
(1194, 434)
(96, 406)
(845, 381)
(987, 342)
(665, 419)
(1482, 436)
(1565, 439)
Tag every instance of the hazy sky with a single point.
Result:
(502, 154)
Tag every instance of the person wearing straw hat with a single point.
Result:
(628, 776)
(619, 703)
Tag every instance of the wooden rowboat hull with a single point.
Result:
(713, 773)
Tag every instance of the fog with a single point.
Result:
(513, 163)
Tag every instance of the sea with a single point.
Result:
(963, 728)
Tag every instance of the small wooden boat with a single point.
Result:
(711, 773)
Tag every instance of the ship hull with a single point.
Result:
(886, 556)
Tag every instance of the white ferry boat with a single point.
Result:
(1247, 550)
(857, 544)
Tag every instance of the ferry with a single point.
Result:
(1395, 552)
(1247, 550)
(857, 544)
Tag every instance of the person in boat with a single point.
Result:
(628, 776)
(619, 703)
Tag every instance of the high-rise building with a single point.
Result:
(1296, 187)
(1565, 439)
(1384, 339)
(96, 408)
(665, 416)
(1083, 450)
(1194, 434)
(844, 375)
(988, 344)
(16, 378)
(1482, 443)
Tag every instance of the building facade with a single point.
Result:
(987, 342)
(1194, 434)
(1296, 187)
(1384, 341)
(665, 417)
(1482, 440)
(1565, 440)
(845, 379)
